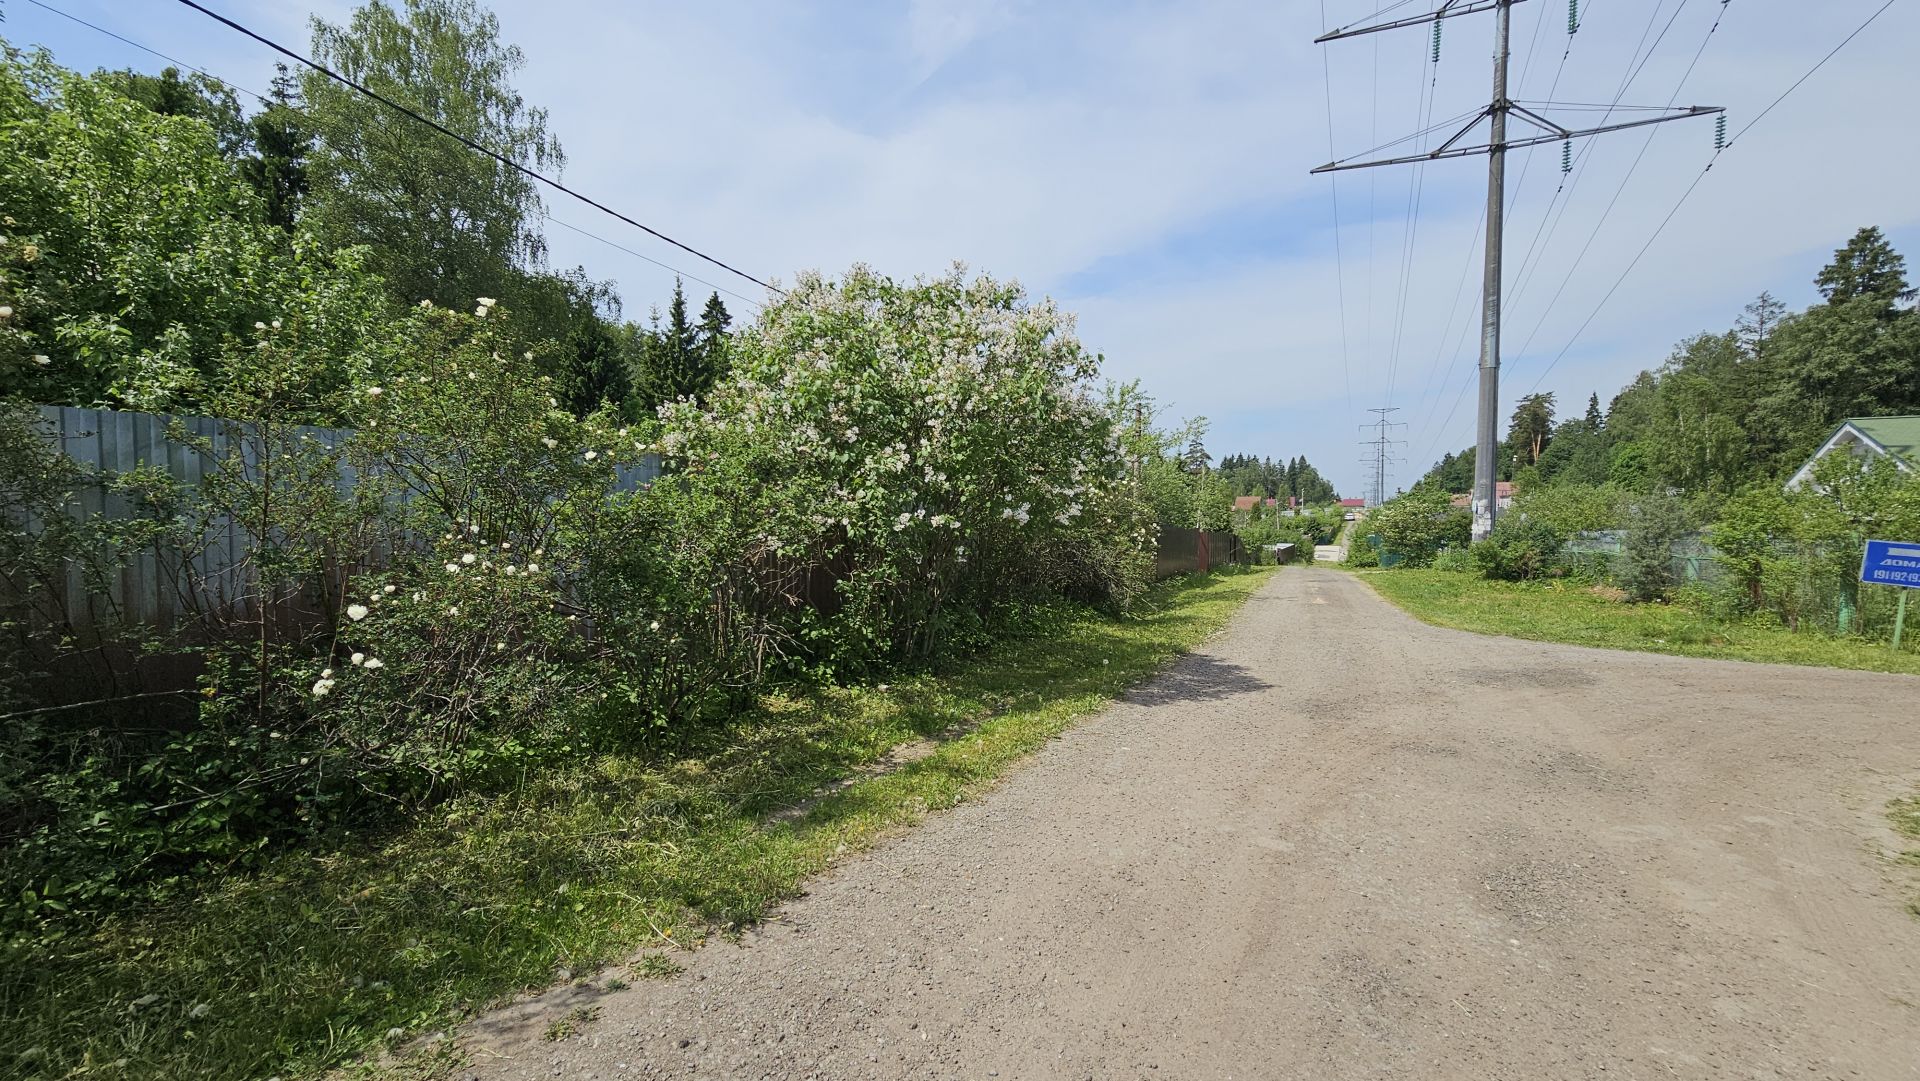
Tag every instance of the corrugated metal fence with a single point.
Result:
(109, 442)
(1195, 551)
(1693, 557)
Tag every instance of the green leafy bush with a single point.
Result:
(1362, 553)
(1418, 524)
(1519, 550)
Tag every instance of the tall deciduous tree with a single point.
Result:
(172, 94)
(445, 223)
(117, 296)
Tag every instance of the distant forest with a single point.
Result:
(1248, 475)
(1728, 408)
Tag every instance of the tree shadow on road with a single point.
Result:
(1197, 677)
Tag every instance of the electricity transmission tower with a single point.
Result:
(1382, 456)
(1495, 148)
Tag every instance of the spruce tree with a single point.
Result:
(712, 332)
(281, 143)
(1867, 267)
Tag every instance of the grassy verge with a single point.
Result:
(333, 955)
(1904, 813)
(1556, 612)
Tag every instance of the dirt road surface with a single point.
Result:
(1337, 843)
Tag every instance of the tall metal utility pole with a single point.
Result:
(1382, 445)
(1487, 444)
(1487, 437)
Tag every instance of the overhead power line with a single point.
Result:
(1621, 188)
(471, 145)
(1339, 257)
(1658, 229)
(1549, 223)
(590, 235)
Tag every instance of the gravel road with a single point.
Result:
(1337, 843)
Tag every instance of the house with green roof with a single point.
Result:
(1897, 438)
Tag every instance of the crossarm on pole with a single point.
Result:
(1446, 11)
(1516, 144)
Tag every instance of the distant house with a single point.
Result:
(1897, 438)
(1502, 496)
(1352, 504)
(1248, 502)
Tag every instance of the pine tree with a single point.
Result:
(1531, 425)
(1595, 419)
(671, 363)
(1757, 324)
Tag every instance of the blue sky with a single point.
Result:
(1147, 164)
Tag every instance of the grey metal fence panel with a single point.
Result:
(1693, 558)
(145, 590)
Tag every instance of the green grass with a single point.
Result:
(1558, 612)
(1904, 813)
(330, 957)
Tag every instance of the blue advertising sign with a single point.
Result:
(1891, 563)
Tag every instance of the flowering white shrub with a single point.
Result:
(469, 626)
(932, 449)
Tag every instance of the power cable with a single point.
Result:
(1339, 259)
(1372, 209)
(1416, 188)
(650, 259)
(1366, 19)
(1622, 187)
(1696, 183)
(1550, 220)
(1429, 130)
(471, 145)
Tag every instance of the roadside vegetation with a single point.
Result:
(370, 937)
(446, 706)
(1904, 814)
(1597, 615)
(1664, 522)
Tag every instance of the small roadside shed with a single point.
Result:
(1897, 438)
